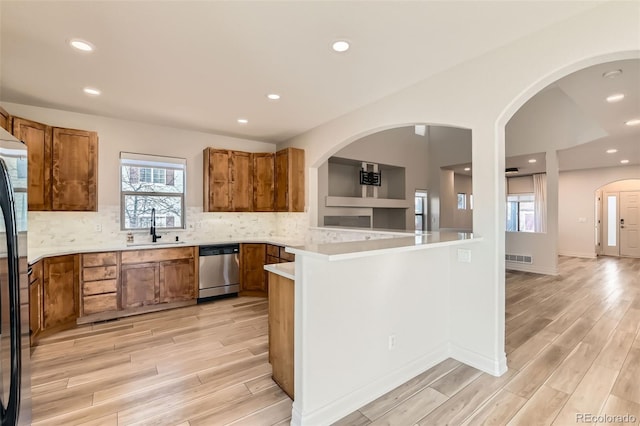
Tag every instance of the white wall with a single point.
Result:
(482, 95)
(577, 201)
(447, 146)
(452, 218)
(341, 338)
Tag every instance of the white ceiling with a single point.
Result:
(202, 64)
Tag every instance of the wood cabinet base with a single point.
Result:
(110, 315)
(281, 320)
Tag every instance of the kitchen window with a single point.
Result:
(152, 182)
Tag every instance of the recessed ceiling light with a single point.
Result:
(612, 74)
(466, 169)
(533, 160)
(273, 96)
(243, 120)
(624, 161)
(612, 151)
(82, 45)
(633, 122)
(340, 45)
(615, 98)
(91, 91)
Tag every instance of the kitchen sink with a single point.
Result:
(158, 244)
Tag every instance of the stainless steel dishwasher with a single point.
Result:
(219, 271)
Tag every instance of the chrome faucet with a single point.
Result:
(152, 231)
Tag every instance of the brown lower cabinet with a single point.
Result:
(281, 321)
(60, 292)
(83, 288)
(149, 277)
(253, 278)
(35, 300)
(177, 280)
(140, 284)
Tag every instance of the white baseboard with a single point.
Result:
(591, 255)
(531, 268)
(347, 404)
(495, 367)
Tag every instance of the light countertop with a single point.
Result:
(36, 254)
(287, 269)
(355, 249)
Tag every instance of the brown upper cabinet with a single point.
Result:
(228, 181)
(5, 120)
(236, 181)
(263, 182)
(62, 167)
(289, 180)
(37, 136)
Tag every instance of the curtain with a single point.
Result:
(540, 201)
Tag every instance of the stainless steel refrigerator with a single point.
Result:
(15, 375)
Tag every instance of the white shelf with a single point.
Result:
(384, 203)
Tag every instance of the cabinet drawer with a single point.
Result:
(100, 303)
(156, 255)
(287, 257)
(272, 259)
(99, 259)
(99, 273)
(97, 287)
(273, 250)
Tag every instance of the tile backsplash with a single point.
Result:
(68, 229)
(62, 229)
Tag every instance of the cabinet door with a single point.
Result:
(289, 180)
(5, 120)
(61, 298)
(281, 181)
(281, 323)
(35, 300)
(252, 273)
(37, 136)
(216, 180)
(74, 175)
(263, 182)
(35, 308)
(241, 181)
(177, 280)
(140, 284)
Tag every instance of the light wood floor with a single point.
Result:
(573, 346)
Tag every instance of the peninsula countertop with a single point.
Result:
(372, 247)
(286, 269)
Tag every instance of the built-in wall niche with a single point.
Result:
(344, 180)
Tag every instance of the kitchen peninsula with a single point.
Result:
(371, 314)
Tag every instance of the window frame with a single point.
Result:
(422, 195)
(518, 199)
(153, 162)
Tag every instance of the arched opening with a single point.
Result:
(577, 124)
(422, 180)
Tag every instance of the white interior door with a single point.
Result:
(629, 224)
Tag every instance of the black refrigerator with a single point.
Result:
(15, 375)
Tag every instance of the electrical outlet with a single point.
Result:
(464, 255)
(98, 227)
(392, 342)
